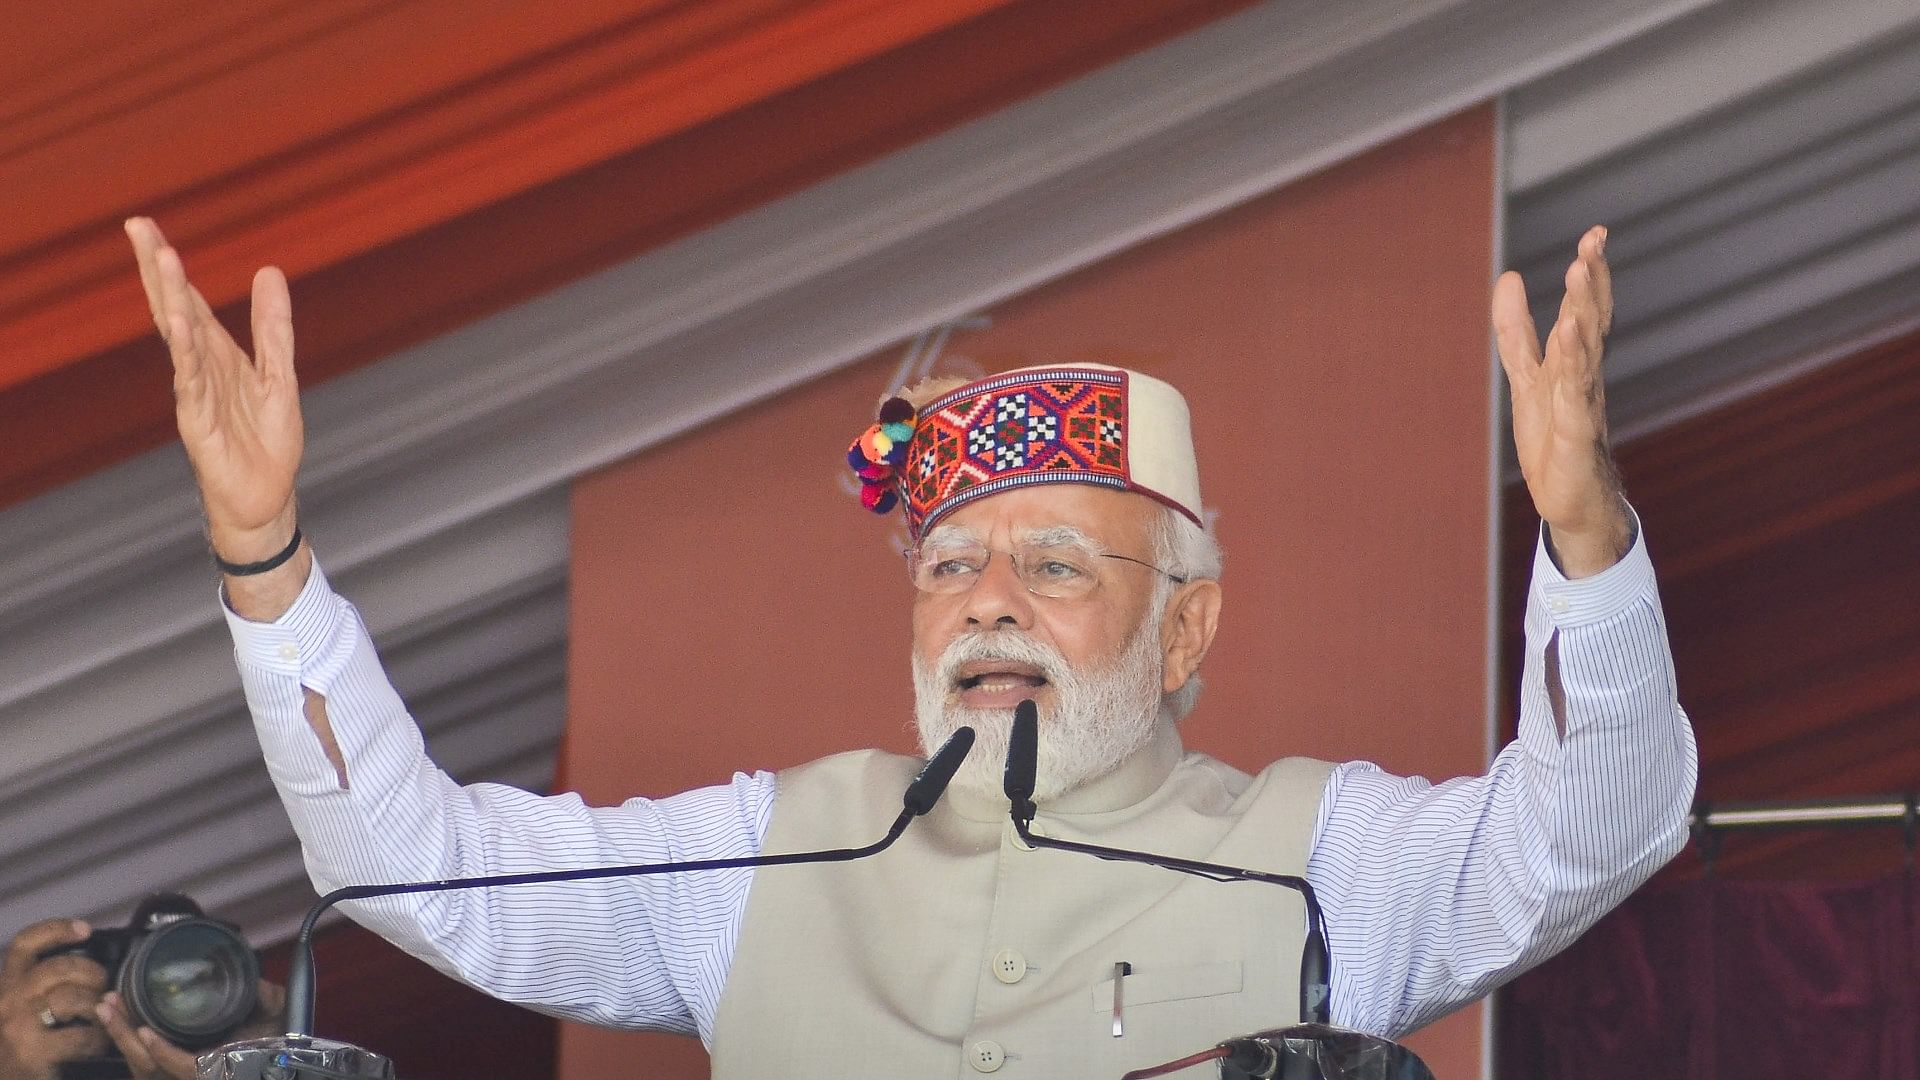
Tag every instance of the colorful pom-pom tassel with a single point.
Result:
(876, 456)
(878, 498)
(896, 410)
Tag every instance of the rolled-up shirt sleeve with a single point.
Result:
(1436, 894)
(646, 952)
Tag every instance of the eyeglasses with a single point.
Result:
(1064, 572)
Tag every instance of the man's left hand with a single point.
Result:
(1560, 411)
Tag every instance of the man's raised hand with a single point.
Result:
(1560, 411)
(239, 417)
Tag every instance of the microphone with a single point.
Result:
(1023, 761)
(920, 796)
(1310, 1050)
(1301, 1052)
(1318, 1052)
(937, 773)
(1023, 752)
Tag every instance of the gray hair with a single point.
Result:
(1182, 549)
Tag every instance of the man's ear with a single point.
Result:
(1186, 631)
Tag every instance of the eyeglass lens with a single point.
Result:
(1063, 572)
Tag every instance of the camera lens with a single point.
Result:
(194, 982)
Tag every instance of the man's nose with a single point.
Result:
(998, 596)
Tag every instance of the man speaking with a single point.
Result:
(1058, 555)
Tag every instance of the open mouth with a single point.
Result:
(998, 675)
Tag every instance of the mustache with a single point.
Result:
(1007, 644)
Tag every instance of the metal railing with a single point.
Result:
(1807, 813)
(1710, 821)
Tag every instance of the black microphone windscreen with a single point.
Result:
(932, 782)
(1023, 752)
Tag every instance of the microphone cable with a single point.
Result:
(1216, 1054)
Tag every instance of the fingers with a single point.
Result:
(269, 1015)
(215, 341)
(28, 1043)
(177, 315)
(168, 1060)
(46, 1012)
(1569, 360)
(273, 325)
(1594, 252)
(68, 970)
(111, 1013)
(67, 1003)
(1579, 324)
(200, 345)
(273, 1001)
(149, 1057)
(205, 356)
(1514, 336)
(147, 241)
(1576, 342)
(28, 944)
(1575, 336)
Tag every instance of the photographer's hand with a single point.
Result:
(149, 1057)
(269, 1016)
(61, 989)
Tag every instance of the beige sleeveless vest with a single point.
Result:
(959, 952)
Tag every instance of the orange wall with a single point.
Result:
(733, 608)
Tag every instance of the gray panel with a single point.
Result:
(1781, 224)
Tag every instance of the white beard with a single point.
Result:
(1099, 718)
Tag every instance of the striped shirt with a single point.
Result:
(1434, 894)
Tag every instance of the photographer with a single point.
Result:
(59, 1009)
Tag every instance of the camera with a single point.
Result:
(192, 979)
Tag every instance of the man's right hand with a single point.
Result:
(62, 988)
(239, 418)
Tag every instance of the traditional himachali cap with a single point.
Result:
(1059, 423)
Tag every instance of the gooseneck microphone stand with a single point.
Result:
(1023, 762)
(283, 1053)
(1311, 1050)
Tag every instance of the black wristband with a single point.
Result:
(264, 565)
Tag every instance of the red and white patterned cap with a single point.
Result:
(1059, 423)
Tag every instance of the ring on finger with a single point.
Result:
(47, 1019)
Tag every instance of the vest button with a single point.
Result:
(985, 1056)
(1009, 966)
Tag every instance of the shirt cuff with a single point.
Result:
(1584, 601)
(296, 642)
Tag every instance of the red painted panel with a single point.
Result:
(1332, 339)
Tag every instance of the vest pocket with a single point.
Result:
(1150, 984)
